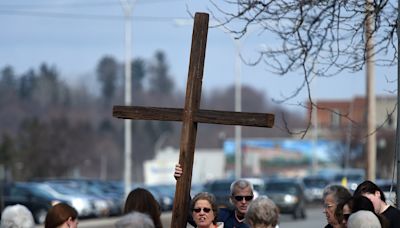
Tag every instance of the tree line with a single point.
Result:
(50, 128)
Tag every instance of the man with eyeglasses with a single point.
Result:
(241, 194)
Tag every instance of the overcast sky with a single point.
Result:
(74, 35)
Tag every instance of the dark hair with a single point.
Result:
(369, 187)
(59, 214)
(362, 203)
(141, 200)
(210, 198)
(339, 209)
(359, 203)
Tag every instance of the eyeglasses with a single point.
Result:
(240, 198)
(327, 206)
(205, 210)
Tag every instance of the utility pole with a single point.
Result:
(397, 149)
(371, 119)
(128, 8)
(238, 108)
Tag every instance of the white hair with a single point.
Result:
(363, 219)
(16, 216)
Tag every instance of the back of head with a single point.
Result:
(363, 219)
(59, 214)
(141, 200)
(262, 212)
(368, 187)
(362, 203)
(17, 216)
(135, 220)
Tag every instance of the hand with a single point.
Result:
(178, 171)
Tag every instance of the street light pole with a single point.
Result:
(128, 8)
(238, 108)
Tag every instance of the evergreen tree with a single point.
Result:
(107, 72)
(160, 80)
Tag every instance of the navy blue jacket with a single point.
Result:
(227, 216)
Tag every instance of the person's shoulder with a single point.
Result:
(393, 210)
(135, 219)
(225, 212)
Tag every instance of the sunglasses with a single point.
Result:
(240, 198)
(205, 210)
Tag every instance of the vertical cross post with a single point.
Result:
(189, 126)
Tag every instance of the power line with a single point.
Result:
(82, 16)
(80, 4)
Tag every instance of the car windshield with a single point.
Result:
(315, 182)
(281, 187)
(220, 186)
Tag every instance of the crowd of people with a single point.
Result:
(365, 208)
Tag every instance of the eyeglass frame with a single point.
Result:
(204, 209)
(246, 198)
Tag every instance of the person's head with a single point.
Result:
(135, 219)
(262, 212)
(373, 193)
(343, 211)
(363, 219)
(362, 203)
(332, 196)
(16, 216)
(141, 200)
(204, 209)
(61, 215)
(241, 195)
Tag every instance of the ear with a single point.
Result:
(69, 221)
(231, 200)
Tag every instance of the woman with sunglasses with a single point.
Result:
(241, 195)
(205, 211)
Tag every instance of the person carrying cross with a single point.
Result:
(241, 194)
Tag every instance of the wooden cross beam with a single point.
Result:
(190, 116)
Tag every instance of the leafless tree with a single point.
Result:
(306, 33)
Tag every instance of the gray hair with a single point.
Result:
(16, 216)
(340, 194)
(262, 211)
(135, 220)
(363, 219)
(241, 184)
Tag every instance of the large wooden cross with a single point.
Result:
(190, 116)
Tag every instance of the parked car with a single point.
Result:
(288, 195)
(314, 187)
(164, 194)
(87, 206)
(27, 194)
(221, 189)
(350, 177)
(95, 188)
